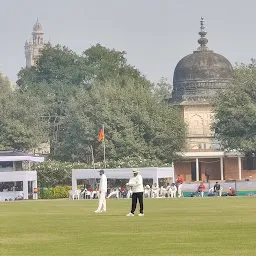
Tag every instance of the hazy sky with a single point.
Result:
(156, 34)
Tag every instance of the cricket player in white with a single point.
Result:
(155, 191)
(102, 193)
(114, 192)
(129, 193)
(147, 191)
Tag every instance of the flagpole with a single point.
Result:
(104, 146)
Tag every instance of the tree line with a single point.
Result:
(66, 98)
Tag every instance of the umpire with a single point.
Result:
(136, 184)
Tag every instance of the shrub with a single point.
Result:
(54, 193)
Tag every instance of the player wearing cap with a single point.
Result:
(136, 184)
(102, 193)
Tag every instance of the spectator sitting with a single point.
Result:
(201, 189)
(155, 191)
(147, 191)
(168, 187)
(173, 190)
(129, 192)
(232, 192)
(123, 192)
(114, 192)
(163, 191)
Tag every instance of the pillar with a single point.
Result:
(155, 180)
(14, 169)
(239, 168)
(197, 170)
(34, 185)
(74, 183)
(25, 189)
(221, 169)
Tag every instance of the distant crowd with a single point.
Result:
(171, 190)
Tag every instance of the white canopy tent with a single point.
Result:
(16, 174)
(154, 173)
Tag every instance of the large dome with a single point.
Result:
(198, 76)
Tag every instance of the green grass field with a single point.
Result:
(185, 226)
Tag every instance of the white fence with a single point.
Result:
(237, 185)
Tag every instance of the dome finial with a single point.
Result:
(202, 40)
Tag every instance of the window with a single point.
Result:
(196, 126)
(6, 164)
(249, 163)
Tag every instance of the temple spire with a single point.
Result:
(202, 40)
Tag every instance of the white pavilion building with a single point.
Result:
(17, 180)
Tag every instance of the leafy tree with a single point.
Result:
(235, 121)
(5, 95)
(60, 64)
(21, 126)
(52, 173)
(5, 99)
(136, 124)
(103, 64)
(163, 89)
(56, 63)
(26, 77)
(60, 72)
(84, 91)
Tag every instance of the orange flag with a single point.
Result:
(101, 135)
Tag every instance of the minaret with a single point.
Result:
(29, 53)
(32, 49)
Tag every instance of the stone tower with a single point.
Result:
(33, 47)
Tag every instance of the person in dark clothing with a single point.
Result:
(216, 188)
(207, 175)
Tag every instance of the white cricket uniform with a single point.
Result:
(155, 191)
(129, 193)
(179, 190)
(114, 192)
(173, 191)
(147, 191)
(163, 191)
(103, 191)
